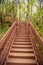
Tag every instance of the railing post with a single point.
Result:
(9, 34)
(36, 35)
(37, 52)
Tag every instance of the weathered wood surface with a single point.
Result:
(22, 33)
(10, 33)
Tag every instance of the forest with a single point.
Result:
(23, 10)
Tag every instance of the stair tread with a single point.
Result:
(22, 37)
(22, 34)
(21, 42)
(21, 49)
(21, 54)
(21, 45)
(17, 60)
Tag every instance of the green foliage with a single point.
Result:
(3, 31)
(23, 11)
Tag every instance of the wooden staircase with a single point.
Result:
(22, 51)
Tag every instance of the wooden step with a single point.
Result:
(22, 57)
(22, 34)
(25, 43)
(22, 37)
(18, 61)
(22, 40)
(22, 54)
(24, 46)
(21, 50)
(20, 44)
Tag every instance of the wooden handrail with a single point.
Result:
(6, 35)
(11, 32)
(37, 51)
(36, 34)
